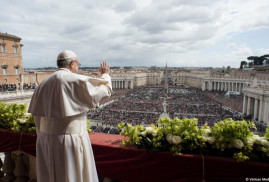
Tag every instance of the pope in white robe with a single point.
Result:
(59, 105)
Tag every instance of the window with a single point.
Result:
(17, 80)
(17, 71)
(3, 49)
(4, 71)
(5, 80)
(15, 50)
(26, 79)
(34, 79)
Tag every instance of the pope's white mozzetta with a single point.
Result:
(59, 105)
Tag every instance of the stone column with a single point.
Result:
(260, 111)
(132, 84)
(203, 85)
(240, 84)
(248, 106)
(256, 109)
(244, 105)
(210, 85)
(229, 86)
(265, 113)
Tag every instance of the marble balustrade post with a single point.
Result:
(20, 171)
(32, 166)
(1, 165)
(8, 168)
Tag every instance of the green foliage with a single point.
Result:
(240, 157)
(133, 133)
(88, 126)
(226, 138)
(182, 135)
(233, 138)
(226, 131)
(14, 117)
(267, 133)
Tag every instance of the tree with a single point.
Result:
(265, 58)
(242, 64)
(258, 60)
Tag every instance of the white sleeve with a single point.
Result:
(37, 123)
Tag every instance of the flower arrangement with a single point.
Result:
(226, 138)
(15, 117)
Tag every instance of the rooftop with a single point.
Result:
(6, 35)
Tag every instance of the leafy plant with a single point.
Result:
(232, 138)
(226, 138)
(15, 118)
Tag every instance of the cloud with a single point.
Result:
(141, 32)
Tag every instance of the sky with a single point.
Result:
(183, 33)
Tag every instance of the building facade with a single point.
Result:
(193, 78)
(10, 59)
(256, 102)
(131, 79)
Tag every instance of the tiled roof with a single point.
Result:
(9, 36)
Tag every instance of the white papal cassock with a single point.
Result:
(59, 105)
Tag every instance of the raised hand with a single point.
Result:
(104, 67)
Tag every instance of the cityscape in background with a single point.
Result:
(141, 95)
(189, 99)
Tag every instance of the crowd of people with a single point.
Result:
(235, 102)
(194, 103)
(14, 87)
(144, 105)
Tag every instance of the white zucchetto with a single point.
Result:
(66, 54)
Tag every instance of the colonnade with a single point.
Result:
(223, 85)
(122, 84)
(256, 105)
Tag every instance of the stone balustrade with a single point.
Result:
(18, 167)
(21, 167)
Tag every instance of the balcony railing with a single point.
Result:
(128, 164)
